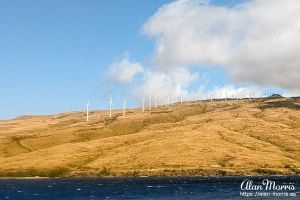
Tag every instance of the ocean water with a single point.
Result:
(141, 188)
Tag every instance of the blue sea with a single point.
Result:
(144, 188)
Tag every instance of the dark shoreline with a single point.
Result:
(143, 177)
(205, 172)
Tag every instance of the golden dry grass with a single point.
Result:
(206, 138)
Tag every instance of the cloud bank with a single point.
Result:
(257, 42)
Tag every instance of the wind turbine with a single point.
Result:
(171, 99)
(110, 105)
(143, 104)
(150, 103)
(155, 102)
(237, 94)
(166, 99)
(87, 111)
(251, 95)
(124, 107)
(181, 99)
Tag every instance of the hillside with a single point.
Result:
(204, 138)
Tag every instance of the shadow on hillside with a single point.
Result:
(280, 104)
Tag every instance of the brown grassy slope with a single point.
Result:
(232, 137)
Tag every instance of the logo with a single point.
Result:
(267, 188)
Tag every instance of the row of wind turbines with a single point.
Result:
(124, 106)
(169, 101)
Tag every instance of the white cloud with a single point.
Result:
(257, 42)
(123, 71)
(174, 82)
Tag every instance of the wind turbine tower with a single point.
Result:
(155, 102)
(143, 104)
(150, 103)
(166, 99)
(180, 99)
(124, 107)
(110, 105)
(87, 111)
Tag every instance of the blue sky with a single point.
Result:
(53, 53)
